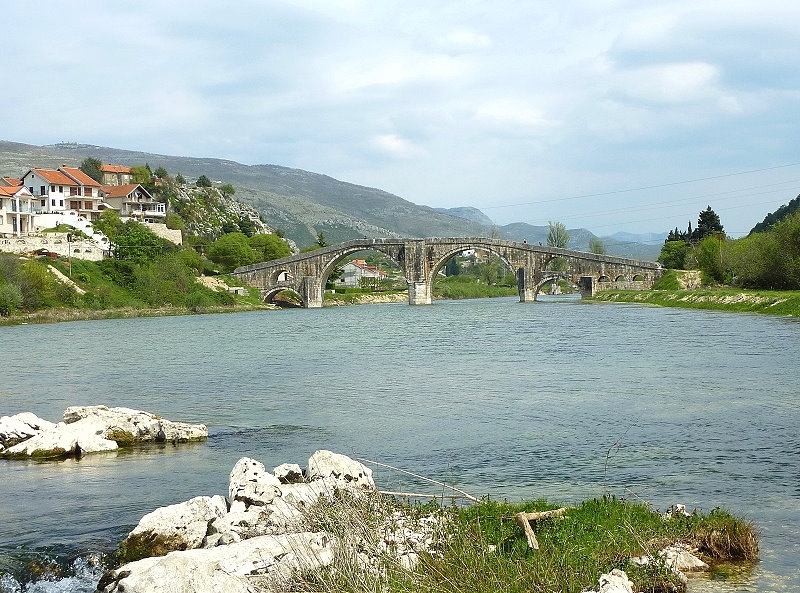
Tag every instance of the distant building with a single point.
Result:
(134, 201)
(116, 175)
(16, 210)
(357, 270)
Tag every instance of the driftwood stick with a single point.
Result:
(402, 471)
(414, 495)
(524, 521)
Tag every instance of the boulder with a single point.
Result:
(63, 440)
(680, 557)
(614, 582)
(181, 526)
(89, 429)
(267, 562)
(252, 484)
(20, 427)
(288, 473)
(127, 426)
(324, 464)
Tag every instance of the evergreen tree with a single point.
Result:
(91, 166)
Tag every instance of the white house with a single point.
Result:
(66, 188)
(353, 272)
(16, 210)
(133, 200)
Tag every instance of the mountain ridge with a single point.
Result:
(301, 203)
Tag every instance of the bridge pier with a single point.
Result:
(526, 285)
(588, 286)
(418, 293)
(311, 292)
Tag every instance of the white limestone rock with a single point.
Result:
(267, 562)
(252, 484)
(614, 582)
(181, 526)
(680, 557)
(89, 429)
(288, 473)
(324, 464)
(20, 427)
(63, 440)
(128, 426)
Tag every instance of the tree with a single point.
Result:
(203, 181)
(91, 166)
(227, 190)
(709, 259)
(161, 173)
(452, 267)
(673, 255)
(557, 235)
(109, 224)
(708, 223)
(231, 251)
(180, 179)
(141, 175)
(597, 246)
(321, 240)
(247, 226)
(136, 243)
(269, 247)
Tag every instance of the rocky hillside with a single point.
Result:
(207, 210)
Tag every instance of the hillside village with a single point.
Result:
(49, 198)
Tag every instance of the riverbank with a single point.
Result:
(61, 315)
(722, 299)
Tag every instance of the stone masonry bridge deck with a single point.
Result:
(421, 259)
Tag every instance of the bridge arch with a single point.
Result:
(439, 260)
(330, 266)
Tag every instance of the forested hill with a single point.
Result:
(774, 217)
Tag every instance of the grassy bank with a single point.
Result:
(722, 299)
(482, 549)
(466, 286)
(59, 315)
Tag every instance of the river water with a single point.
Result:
(559, 399)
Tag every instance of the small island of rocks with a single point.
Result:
(89, 429)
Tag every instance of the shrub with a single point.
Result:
(10, 298)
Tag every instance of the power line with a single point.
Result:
(622, 191)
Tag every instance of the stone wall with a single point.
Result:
(54, 243)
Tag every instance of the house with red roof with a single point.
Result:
(116, 175)
(16, 210)
(133, 200)
(64, 189)
(357, 272)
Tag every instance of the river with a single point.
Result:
(558, 399)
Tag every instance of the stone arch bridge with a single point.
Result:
(422, 259)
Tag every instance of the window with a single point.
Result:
(52, 202)
(42, 190)
(44, 203)
(61, 202)
(88, 192)
(52, 188)
(61, 189)
(73, 191)
(87, 205)
(74, 205)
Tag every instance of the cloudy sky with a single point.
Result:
(605, 114)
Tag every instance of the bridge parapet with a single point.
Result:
(421, 259)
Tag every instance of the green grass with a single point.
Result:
(465, 286)
(483, 550)
(771, 302)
